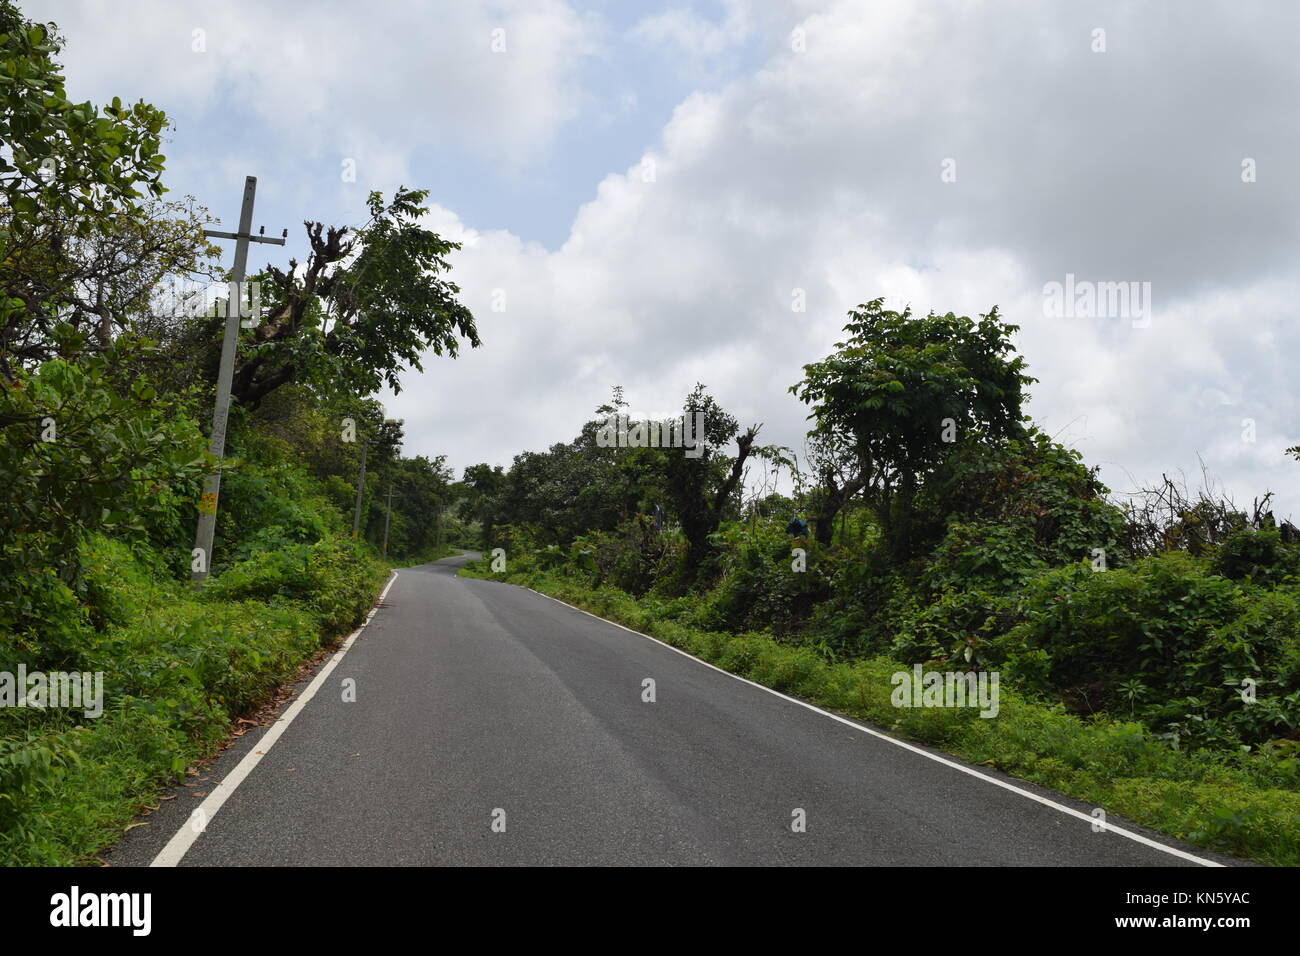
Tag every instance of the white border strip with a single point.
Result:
(184, 838)
(1106, 827)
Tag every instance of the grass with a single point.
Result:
(1246, 806)
(179, 666)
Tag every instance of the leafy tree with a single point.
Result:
(66, 169)
(477, 494)
(561, 492)
(82, 451)
(581, 486)
(324, 429)
(108, 280)
(903, 390)
(587, 486)
(703, 488)
(365, 306)
(841, 473)
(421, 490)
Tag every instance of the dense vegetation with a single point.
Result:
(1148, 651)
(106, 389)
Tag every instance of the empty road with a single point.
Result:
(494, 726)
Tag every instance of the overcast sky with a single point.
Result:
(649, 185)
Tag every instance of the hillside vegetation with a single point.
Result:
(1148, 652)
(107, 378)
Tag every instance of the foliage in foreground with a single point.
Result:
(178, 667)
(102, 388)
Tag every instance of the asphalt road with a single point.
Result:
(474, 697)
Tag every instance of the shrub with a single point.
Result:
(178, 666)
(336, 578)
(957, 629)
(1256, 554)
(1032, 483)
(992, 556)
(80, 453)
(269, 505)
(1168, 640)
(759, 587)
(627, 558)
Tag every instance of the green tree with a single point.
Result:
(905, 390)
(421, 491)
(108, 280)
(365, 306)
(840, 473)
(477, 493)
(703, 488)
(81, 451)
(66, 169)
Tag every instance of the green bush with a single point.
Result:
(335, 578)
(1256, 554)
(81, 452)
(178, 666)
(627, 558)
(1030, 482)
(984, 555)
(957, 628)
(267, 505)
(759, 586)
(1168, 640)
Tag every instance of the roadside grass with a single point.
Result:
(1247, 805)
(179, 666)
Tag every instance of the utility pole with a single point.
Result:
(202, 556)
(388, 517)
(361, 480)
(361, 487)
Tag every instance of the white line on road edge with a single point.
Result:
(184, 838)
(1107, 827)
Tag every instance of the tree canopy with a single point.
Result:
(366, 305)
(70, 170)
(904, 390)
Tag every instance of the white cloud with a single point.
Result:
(818, 171)
(822, 172)
(684, 31)
(333, 77)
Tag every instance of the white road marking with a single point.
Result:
(184, 838)
(1108, 827)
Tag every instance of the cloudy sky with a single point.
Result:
(654, 189)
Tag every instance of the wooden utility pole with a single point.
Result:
(361, 487)
(388, 517)
(361, 479)
(202, 556)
